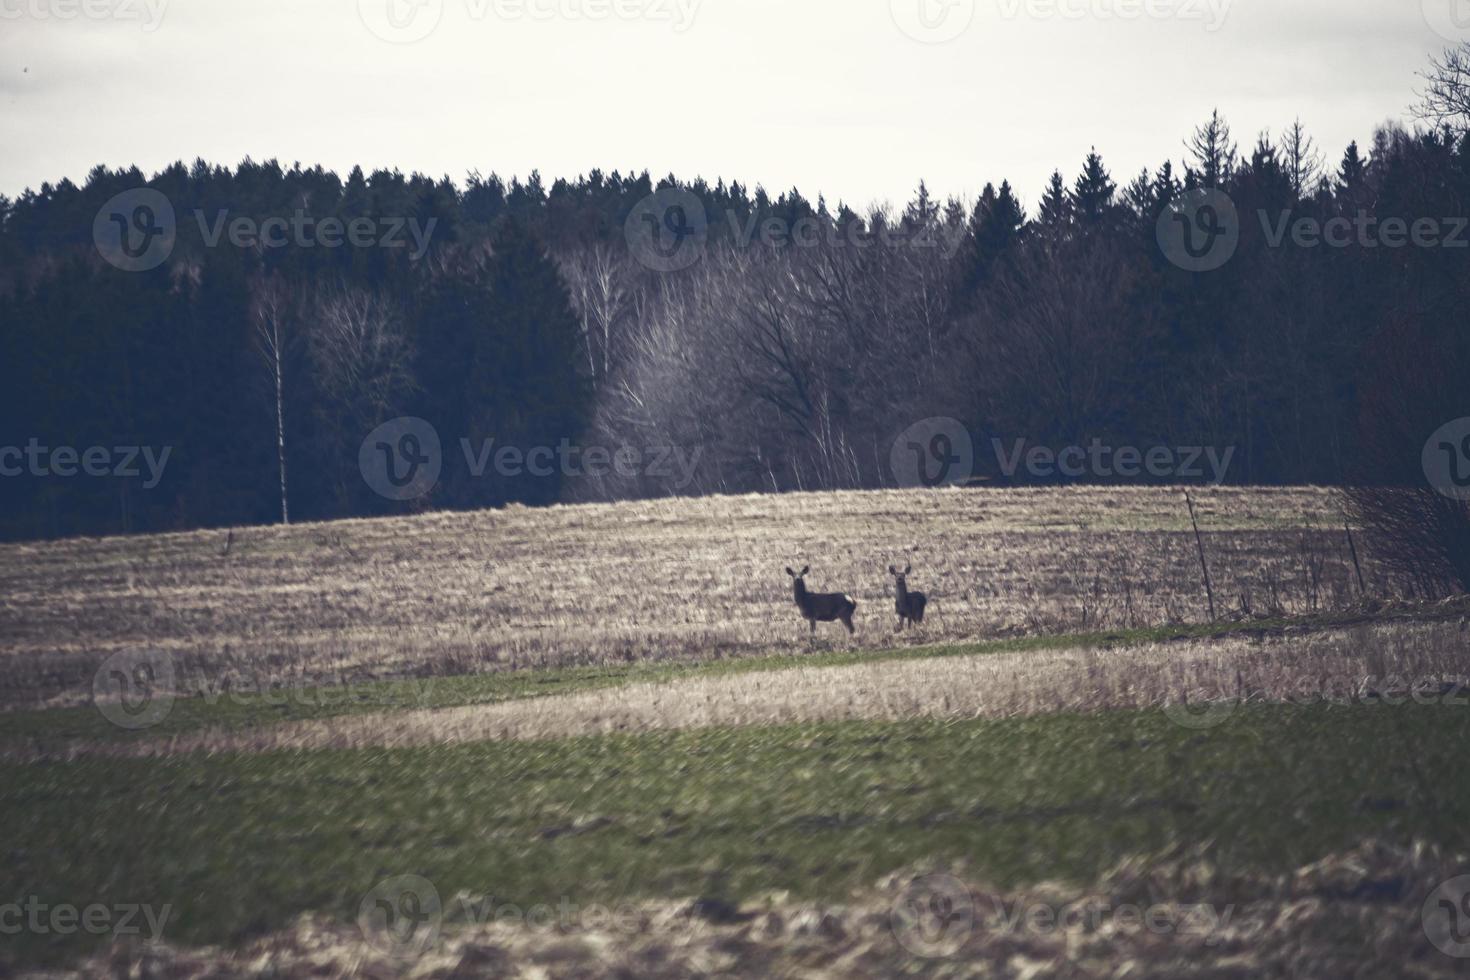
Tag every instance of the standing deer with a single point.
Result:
(910, 605)
(822, 607)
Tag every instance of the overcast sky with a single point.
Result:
(856, 99)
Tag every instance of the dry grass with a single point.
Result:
(1352, 664)
(1354, 914)
(444, 594)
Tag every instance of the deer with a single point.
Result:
(824, 607)
(910, 605)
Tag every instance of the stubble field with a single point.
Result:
(677, 580)
(619, 707)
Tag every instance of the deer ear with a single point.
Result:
(907, 569)
(892, 570)
(806, 569)
(790, 572)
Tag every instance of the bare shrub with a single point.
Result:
(1420, 534)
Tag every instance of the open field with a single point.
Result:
(617, 706)
(1425, 661)
(456, 594)
(240, 845)
(1329, 918)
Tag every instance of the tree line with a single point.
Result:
(789, 347)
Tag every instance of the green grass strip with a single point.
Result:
(239, 844)
(238, 709)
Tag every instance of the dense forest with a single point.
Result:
(788, 350)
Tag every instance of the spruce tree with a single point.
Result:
(995, 227)
(1092, 194)
(1054, 216)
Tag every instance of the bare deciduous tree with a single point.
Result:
(274, 336)
(600, 281)
(362, 364)
(1302, 161)
(1445, 100)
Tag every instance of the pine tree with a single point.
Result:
(530, 350)
(922, 212)
(1054, 216)
(1092, 194)
(1166, 185)
(1264, 181)
(1353, 172)
(996, 225)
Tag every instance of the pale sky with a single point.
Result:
(856, 99)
